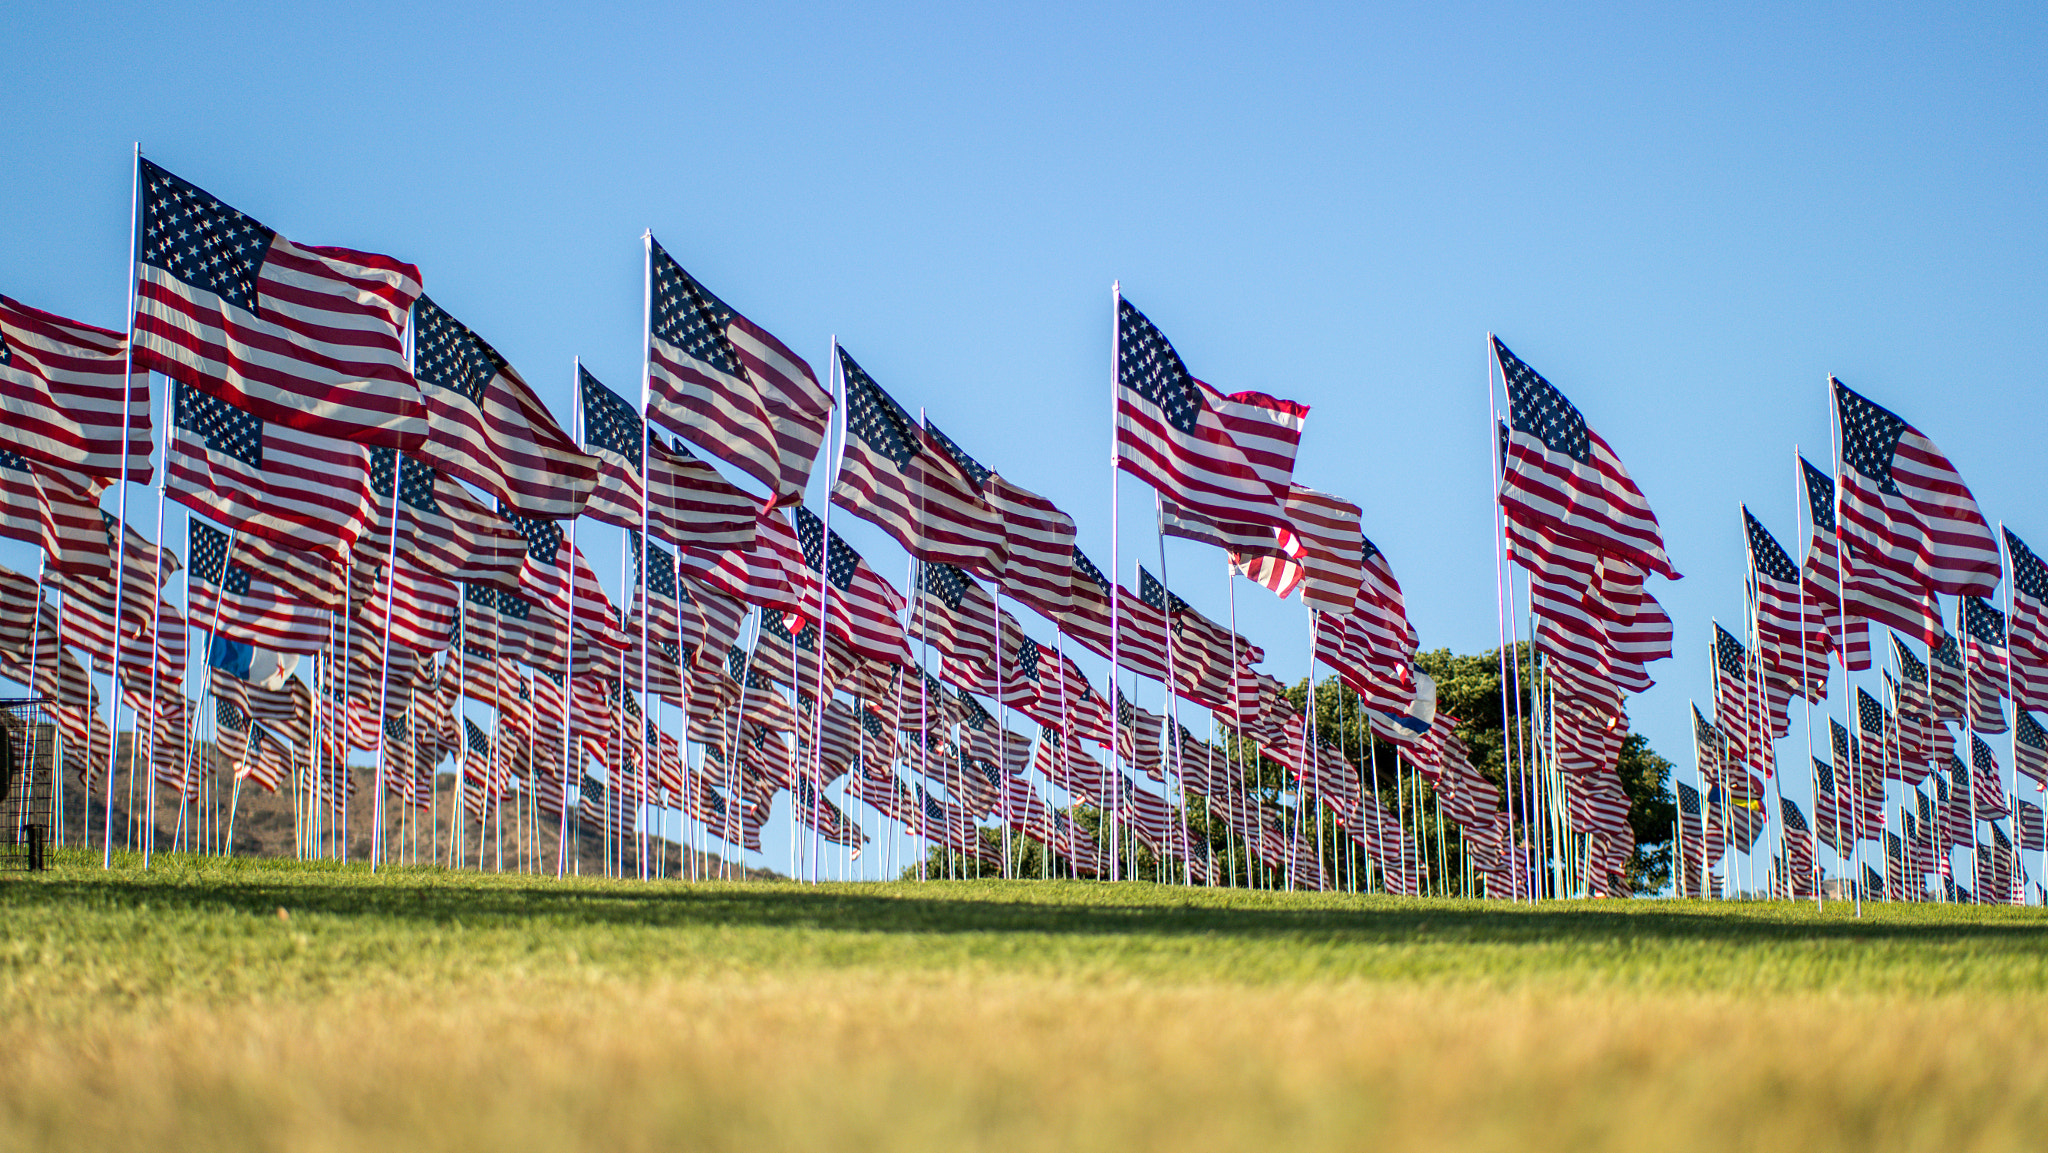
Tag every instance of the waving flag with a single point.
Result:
(1737, 712)
(1332, 548)
(690, 505)
(1790, 634)
(61, 394)
(304, 491)
(56, 510)
(305, 337)
(897, 476)
(1037, 539)
(227, 599)
(488, 427)
(1559, 475)
(1170, 433)
(1822, 576)
(862, 608)
(1984, 656)
(1906, 507)
(444, 530)
(2029, 624)
(723, 383)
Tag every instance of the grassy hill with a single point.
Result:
(268, 1004)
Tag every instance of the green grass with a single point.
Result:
(492, 1011)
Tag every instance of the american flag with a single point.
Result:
(1139, 736)
(283, 701)
(1240, 541)
(1559, 476)
(894, 475)
(1693, 839)
(1170, 433)
(1790, 633)
(56, 510)
(723, 383)
(767, 573)
(1267, 428)
(487, 426)
(1905, 506)
(545, 578)
(2029, 624)
(690, 505)
(1799, 846)
(1332, 549)
(1205, 653)
(1737, 712)
(1947, 679)
(958, 618)
(61, 391)
(444, 529)
(2031, 833)
(1037, 538)
(1141, 629)
(1986, 780)
(1872, 594)
(306, 337)
(422, 607)
(1278, 569)
(301, 490)
(1593, 614)
(2030, 748)
(1822, 575)
(1984, 656)
(89, 610)
(862, 608)
(1038, 546)
(1877, 734)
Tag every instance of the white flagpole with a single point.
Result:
(384, 671)
(646, 538)
(1237, 720)
(1171, 719)
(1498, 472)
(563, 845)
(1116, 294)
(121, 517)
(825, 589)
(1806, 703)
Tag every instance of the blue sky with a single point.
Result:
(1685, 218)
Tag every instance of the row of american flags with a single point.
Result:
(1924, 781)
(381, 558)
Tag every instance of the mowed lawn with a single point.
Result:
(420, 1009)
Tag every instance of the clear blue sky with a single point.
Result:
(1684, 219)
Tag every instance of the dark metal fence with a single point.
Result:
(28, 741)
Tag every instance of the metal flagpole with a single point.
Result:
(156, 655)
(1842, 606)
(562, 842)
(1002, 731)
(1237, 722)
(121, 517)
(1767, 743)
(1806, 699)
(384, 672)
(2012, 880)
(825, 594)
(1500, 612)
(646, 540)
(1969, 754)
(1116, 296)
(1172, 711)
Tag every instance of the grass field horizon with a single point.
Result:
(276, 1004)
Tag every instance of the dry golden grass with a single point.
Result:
(423, 1011)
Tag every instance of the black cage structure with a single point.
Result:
(28, 741)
